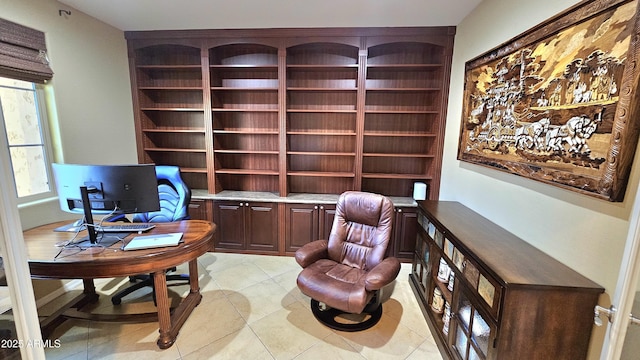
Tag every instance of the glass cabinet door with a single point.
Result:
(473, 332)
(421, 268)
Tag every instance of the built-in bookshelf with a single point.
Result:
(245, 115)
(294, 110)
(404, 89)
(170, 109)
(322, 85)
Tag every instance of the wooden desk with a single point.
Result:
(113, 262)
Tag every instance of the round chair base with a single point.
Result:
(327, 316)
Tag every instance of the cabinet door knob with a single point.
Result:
(241, 204)
(315, 207)
(399, 210)
(321, 207)
(246, 204)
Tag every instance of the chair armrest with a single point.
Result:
(383, 274)
(312, 252)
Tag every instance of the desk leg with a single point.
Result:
(164, 315)
(193, 276)
(89, 288)
(52, 321)
(170, 324)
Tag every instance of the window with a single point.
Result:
(23, 131)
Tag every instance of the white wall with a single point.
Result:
(92, 116)
(585, 233)
(90, 82)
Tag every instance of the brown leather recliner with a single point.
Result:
(347, 272)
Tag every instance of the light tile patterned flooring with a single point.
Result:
(251, 309)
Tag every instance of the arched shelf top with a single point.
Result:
(405, 53)
(243, 54)
(167, 55)
(322, 53)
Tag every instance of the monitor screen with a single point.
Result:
(112, 189)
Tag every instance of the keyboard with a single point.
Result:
(125, 228)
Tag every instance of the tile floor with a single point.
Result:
(251, 309)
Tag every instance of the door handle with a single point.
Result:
(609, 313)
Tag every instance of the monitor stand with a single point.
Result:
(93, 247)
(103, 240)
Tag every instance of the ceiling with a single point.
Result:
(130, 15)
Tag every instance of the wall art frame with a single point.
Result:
(559, 103)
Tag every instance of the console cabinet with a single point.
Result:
(294, 110)
(487, 294)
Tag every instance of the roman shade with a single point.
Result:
(23, 53)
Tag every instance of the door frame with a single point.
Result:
(15, 261)
(626, 287)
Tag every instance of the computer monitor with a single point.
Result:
(106, 189)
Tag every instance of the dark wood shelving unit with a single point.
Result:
(294, 111)
(405, 85)
(170, 123)
(321, 94)
(290, 112)
(244, 104)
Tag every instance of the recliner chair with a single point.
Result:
(175, 197)
(346, 273)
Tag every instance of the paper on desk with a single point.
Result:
(153, 241)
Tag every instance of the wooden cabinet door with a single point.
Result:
(405, 232)
(302, 225)
(306, 223)
(326, 216)
(261, 226)
(200, 210)
(229, 217)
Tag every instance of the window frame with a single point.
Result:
(46, 141)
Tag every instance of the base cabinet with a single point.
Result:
(306, 223)
(246, 226)
(201, 209)
(487, 294)
(405, 228)
(282, 228)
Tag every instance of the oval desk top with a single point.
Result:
(46, 260)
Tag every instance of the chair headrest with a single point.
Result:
(362, 207)
(176, 208)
